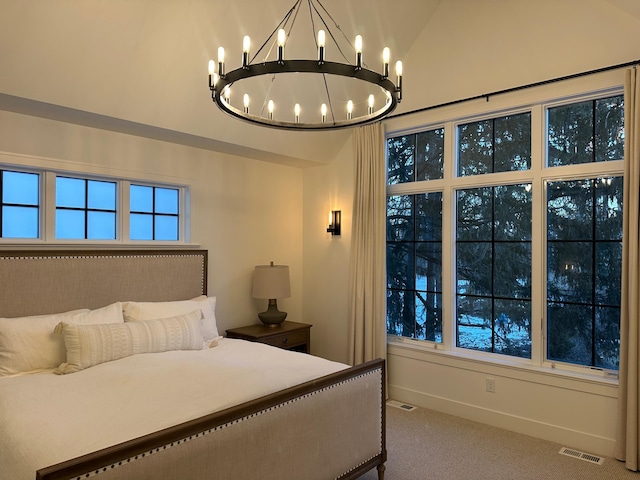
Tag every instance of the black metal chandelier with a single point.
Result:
(333, 112)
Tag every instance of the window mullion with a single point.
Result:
(49, 207)
(448, 239)
(86, 208)
(538, 235)
(124, 205)
(594, 260)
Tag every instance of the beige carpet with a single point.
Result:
(427, 445)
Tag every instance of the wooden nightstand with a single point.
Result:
(287, 335)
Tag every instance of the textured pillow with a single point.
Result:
(28, 344)
(136, 311)
(89, 345)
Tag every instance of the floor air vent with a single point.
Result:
(587, 457)
(401, 406)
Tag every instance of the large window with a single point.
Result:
(584, 261)
(493, 269)
(486, 209)
(48, 207)
(414, 238)
(414, 266)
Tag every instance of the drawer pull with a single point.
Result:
(285, 340)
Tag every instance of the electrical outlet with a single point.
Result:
(491, 384)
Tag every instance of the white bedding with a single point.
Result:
(48, 418)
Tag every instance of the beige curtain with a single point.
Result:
(367, 270)
(627, 441)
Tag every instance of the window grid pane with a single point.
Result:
(584, 251)
(496, 145)
(85, 209)
(493, 270)
(414, 266)
(154, 213)
(20, 205)
(415, 157)
(586, 132)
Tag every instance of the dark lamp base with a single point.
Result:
(272, 317)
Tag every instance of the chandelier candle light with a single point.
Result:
(329, 113)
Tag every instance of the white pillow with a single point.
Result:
(136, 311)
(89, 345)
(29, 344)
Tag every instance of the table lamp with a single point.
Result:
(271, 282)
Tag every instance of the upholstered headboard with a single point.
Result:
(33, 283)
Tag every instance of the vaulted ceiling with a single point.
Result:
(140, 66)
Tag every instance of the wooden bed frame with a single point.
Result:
(331, 427)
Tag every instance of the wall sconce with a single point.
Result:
(334, 222)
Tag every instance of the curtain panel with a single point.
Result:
(367, 269)
(628, 427)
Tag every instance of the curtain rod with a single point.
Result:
(521, 87)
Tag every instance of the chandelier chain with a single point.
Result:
(335, 40)
(283, 23)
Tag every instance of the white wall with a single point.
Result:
(245, 212)
(326, 257)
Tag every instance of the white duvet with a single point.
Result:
(47, 418)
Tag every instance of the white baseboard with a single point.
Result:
(554, 433)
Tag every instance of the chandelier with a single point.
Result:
(375, 94)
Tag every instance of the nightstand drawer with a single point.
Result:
(288, 339)
(287, 335)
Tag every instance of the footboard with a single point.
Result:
(329, 428)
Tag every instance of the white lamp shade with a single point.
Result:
(271, 281)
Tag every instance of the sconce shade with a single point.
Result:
(271, 281)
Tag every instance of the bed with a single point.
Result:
(151, 408)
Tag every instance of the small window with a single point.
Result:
(416, 157)
(85, 209)
(586, 132)
(154, 213)
(20, 204)
(495, 145)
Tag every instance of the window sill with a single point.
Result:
(596, 382)
(82, 244)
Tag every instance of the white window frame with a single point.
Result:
(48, 211)
(537, 101)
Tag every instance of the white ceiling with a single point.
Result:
(140, 66)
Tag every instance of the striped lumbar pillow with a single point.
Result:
(89, 345)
